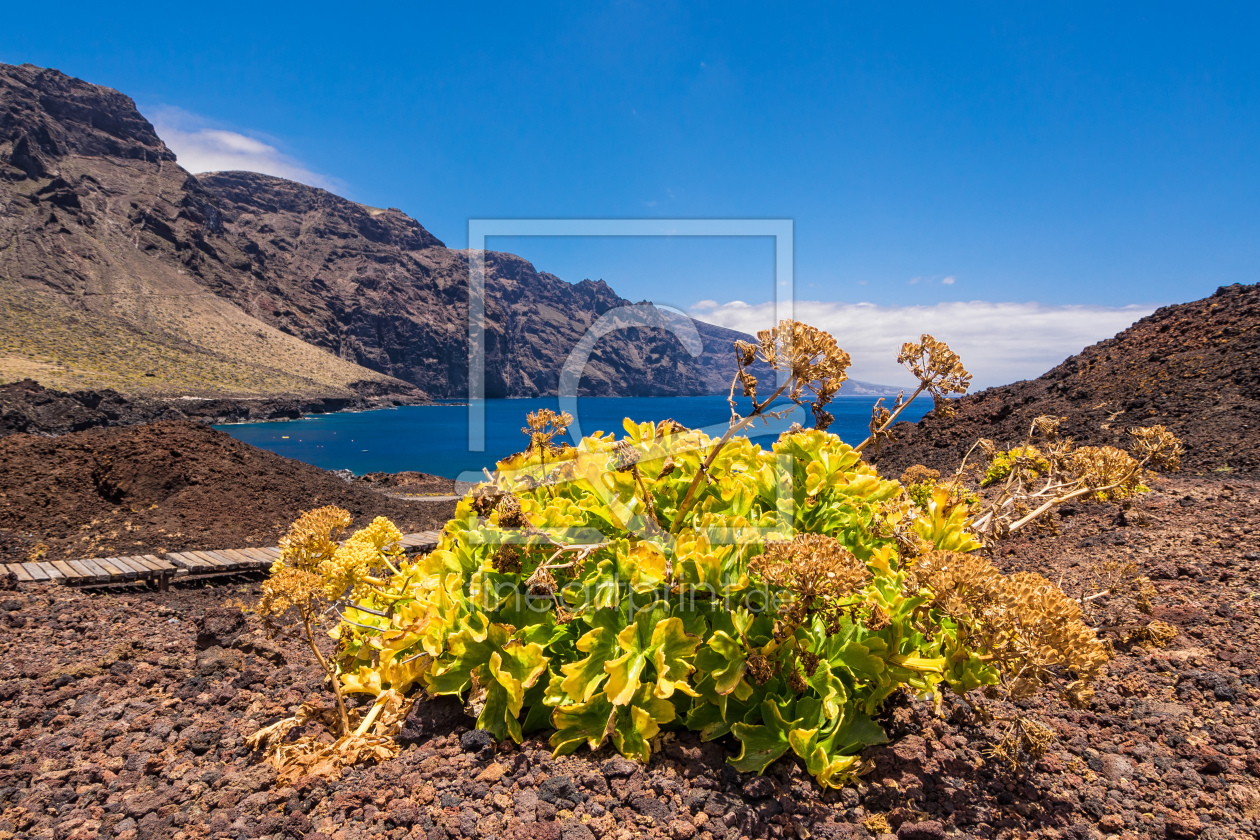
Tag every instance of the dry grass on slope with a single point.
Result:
(70, 348)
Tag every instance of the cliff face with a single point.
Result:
(110, 253)
(374, 287)
(125, 271)
(1193, 367)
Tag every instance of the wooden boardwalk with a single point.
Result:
(96, 571)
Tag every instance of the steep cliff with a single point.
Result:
(121, 270)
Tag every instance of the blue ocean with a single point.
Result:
(435, 438)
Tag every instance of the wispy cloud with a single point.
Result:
(202, 147)
(998, 342)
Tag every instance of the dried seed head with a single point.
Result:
(484, 498)
(1159, 445)
(1160, 633)
(1102, 466)
(542, 426)
(822, 417)
(796, 681)
(818, 570)
(747, 382)
(918, 474)
(1047, 426)
(312, 539)
(809, 662)
(810, 357)
(880, 415)
(507, 560)
(625, 456)
(670, 427)
(759, 669)
(938, 369)
(510, 513)
(878, 619)
(1024, 737)
(541, 584)
(1024, 622)
(357, 557)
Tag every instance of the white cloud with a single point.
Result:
(949, 281)
(998, 342)
(203, 148)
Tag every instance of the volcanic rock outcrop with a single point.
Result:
(1193, 367)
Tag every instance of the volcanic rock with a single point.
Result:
(170, 486)
(1193, 367)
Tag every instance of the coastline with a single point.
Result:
(27, 407)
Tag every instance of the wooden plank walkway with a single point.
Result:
(95, 571)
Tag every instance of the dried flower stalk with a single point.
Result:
(940, 372)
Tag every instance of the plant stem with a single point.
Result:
(891, 420)
(704, 468)
(329, 670)
(371, 715)
(734, 429)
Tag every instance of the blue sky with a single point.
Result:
(931, 155)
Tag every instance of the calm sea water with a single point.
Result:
(434, 438)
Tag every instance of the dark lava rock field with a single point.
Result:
(123, 714)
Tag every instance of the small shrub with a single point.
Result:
(663, 579)
(1027, 458)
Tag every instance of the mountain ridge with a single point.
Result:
(125, 271)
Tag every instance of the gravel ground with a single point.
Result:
(123, 714)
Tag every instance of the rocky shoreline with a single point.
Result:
(26, 407)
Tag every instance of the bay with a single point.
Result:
(435, 438)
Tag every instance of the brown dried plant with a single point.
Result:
(809, 363)
(314, 577)
(919, 474)
(819, 572)
(311, 757)
(939, 371)
(1086, 472)
(543, 427)
(1152, 634)
(297, 586)
(1114, 578)
(1025, 625)
(808, 359)
(1024, 738)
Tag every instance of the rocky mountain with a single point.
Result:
(121, 270)
(1193, 367)
(374, 287)
(107, 242)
